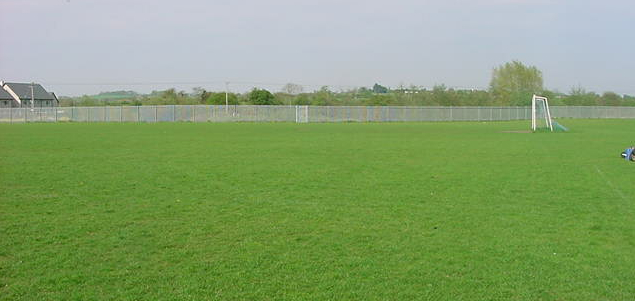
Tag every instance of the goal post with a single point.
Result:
(540, 114)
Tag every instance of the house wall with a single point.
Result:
(39, 103)
(8, 103)
(4, 103)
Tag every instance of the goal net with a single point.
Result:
(540, 114)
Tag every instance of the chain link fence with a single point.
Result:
(300, 114)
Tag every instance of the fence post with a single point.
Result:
(25, 115)
(138, 114)
(156, 113)
(11, 114)
(173, 113)
(120, 114)
(55, 109)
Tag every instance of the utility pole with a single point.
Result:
(226, 98)
(32, 98)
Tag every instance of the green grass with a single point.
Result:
(431, 211)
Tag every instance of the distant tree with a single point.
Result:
(378, 100)
(611, 99)
(322, 97)
(364, 92)
(261, 97)
(477, 98)
(578, 96)
(441, 95)
(219, 98)
(513, 83)
(377, 88)
(628, 100)
(555, 98)
(301, 100)
(200, 94)
(293, 89)
(325, 89)
(170, 95)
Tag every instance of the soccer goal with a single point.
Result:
(540, 114)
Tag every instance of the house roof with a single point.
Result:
(23, 90)
(4, 95)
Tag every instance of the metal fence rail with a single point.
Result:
(300, 114)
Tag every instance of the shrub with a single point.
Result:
(261, 97)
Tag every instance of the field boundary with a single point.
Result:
(298, 114)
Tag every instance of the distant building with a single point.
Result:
(5, 99)
(16, 95)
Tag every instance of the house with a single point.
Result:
(5, 99)
(15, 95)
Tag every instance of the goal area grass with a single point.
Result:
(245, 211)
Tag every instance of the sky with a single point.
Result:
(74, 47)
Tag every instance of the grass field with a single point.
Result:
(429, 211)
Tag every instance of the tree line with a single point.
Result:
(512, 84)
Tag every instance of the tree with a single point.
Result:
(200, 94)
(261, 97)
(513, 83)
(441, 95)
(219, 98)
(169, 96)
(364, 92)
(378, 100)
(293, 89)
(578, 96)
(377, 88)
(323, 97)
(611, 99)
(302, 99)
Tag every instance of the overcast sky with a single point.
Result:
(61, 43)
